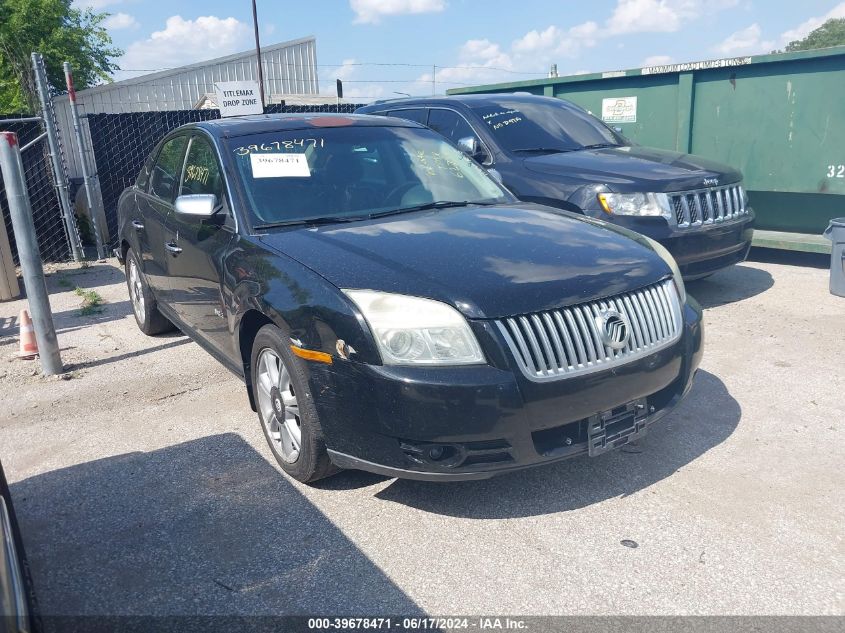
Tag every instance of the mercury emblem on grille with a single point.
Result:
(614, 328)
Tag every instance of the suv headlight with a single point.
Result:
(642, 204)
(417, 331)
(676, 272)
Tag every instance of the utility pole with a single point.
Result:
(258, 55)
(20, 209)
(433, 79)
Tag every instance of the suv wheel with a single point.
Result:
(286, 409)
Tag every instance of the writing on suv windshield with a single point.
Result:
(321, 176)
(545, 126)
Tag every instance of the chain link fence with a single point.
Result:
(41, 186)
(122, 142)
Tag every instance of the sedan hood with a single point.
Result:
(635, 168)
(488, 262)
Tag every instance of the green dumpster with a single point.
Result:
(779, 118)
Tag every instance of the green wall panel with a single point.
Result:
(778, 118)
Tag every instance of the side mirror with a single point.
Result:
(201, 205)
(468, 145)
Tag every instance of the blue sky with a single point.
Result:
(470, 41)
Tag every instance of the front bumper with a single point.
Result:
(699, 250)
(487, 419)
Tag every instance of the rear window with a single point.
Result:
(545, 124)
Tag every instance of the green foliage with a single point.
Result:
(91, 301)
(831, 33)
(61, 33)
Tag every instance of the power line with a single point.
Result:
(342, 65)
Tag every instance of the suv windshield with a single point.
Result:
(545, 126)
(345, 173)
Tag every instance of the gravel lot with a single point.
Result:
(144, 485)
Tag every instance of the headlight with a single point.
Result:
(676, 272)
(416, 331)
(642, 204)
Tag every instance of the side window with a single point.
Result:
(167, 170)
(411, 114)
(143, 179)
(202, 173)
(450, 124)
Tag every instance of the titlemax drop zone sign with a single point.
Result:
(236, 98)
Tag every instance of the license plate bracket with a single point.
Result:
(611, 429)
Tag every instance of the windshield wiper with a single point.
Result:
(542, 150)
(328, 219)
(443, 204)
(601, 145)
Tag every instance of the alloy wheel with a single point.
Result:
(278, 405)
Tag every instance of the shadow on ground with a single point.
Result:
(789, 258)
(736, 283)
(203, 527)
(704, 420)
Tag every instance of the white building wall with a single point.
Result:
(289, 68)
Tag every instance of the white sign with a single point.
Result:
(236, 98)
(619, 110)
(279, 165)
(704, 65)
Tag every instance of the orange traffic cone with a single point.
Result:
(29, 347)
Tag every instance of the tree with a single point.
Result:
(831, 33)
(61, 33)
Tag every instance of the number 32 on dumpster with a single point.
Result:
(836, 171)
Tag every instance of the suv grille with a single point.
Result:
(706, 206)
(568, 341)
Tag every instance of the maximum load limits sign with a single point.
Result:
(236, 98)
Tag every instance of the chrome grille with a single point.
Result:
(708, 206)
(565, 342)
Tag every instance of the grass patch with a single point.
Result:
(92, 302)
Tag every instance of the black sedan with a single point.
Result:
(392, 308)
(17, 600)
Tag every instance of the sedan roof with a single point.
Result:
(256, 124)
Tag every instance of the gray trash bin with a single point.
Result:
(836, 234)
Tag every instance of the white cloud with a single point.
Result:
(358, 92)
(556, 41)
(748, 41)
(479, 62)
(660, 16)
(657, 60)
(371, 11)
(186, 41)
(344, 71)
(120, 21)
(803, 30)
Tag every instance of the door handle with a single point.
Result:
(138, 226)
(172, 247)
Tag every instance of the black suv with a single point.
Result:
(552, 152)
(392, 308)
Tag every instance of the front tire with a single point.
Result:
(149, 319)
(286, 408)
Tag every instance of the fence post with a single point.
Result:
(86, 177)
(20, 210)
(55, 155)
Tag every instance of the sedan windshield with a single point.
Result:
(545, 126)
(339, 174)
